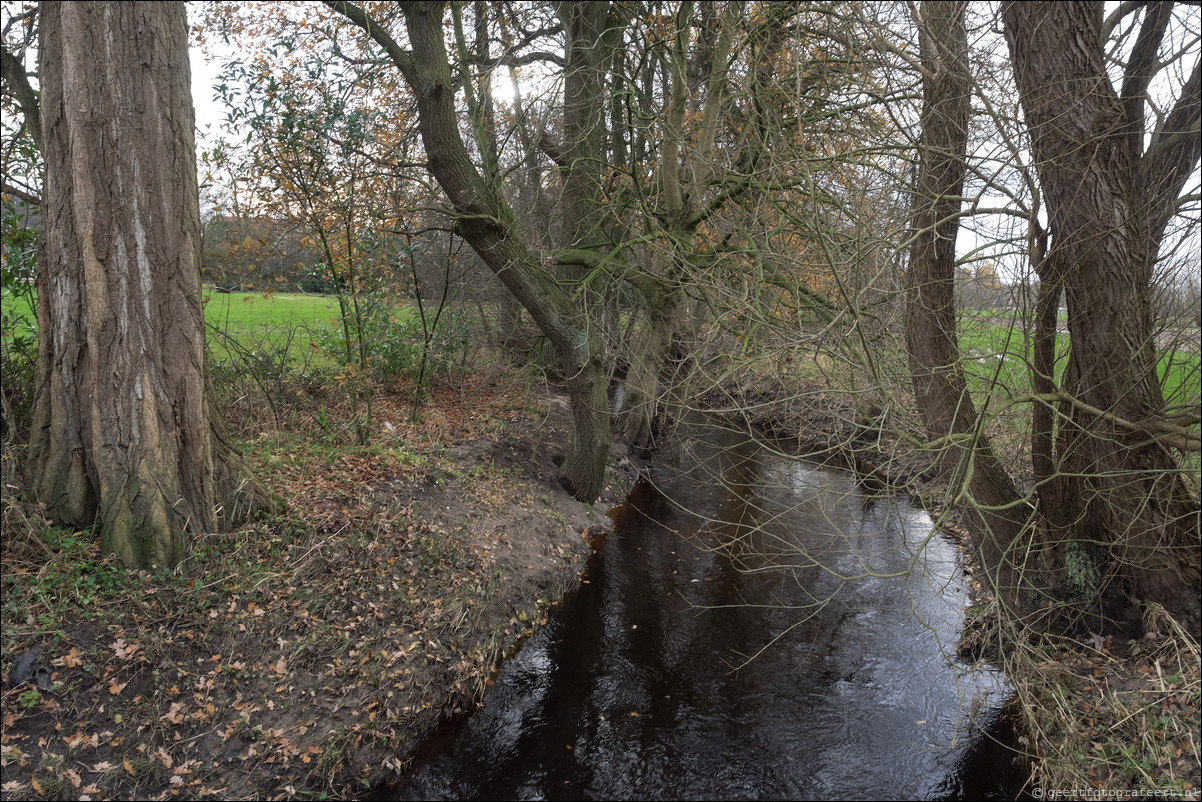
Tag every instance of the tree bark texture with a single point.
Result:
(126, 433)
(654, 376)
(994, 510)
(1112, 478)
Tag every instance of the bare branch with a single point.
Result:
(402, 58)
(1141, 68)
(12, 70)
(17, 192)
(1176, 147)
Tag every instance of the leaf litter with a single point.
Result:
(312, 653)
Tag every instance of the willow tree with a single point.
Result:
(998, 513)
(126, 432)
(1107, 451)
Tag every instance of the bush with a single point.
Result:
(316, 284)
(270, 365)
(394, 341)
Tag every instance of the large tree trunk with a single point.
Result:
(1114, 479)
(992, 507)
(125, 430)
(584, 228)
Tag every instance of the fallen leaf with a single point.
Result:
(124, 650)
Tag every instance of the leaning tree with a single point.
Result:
(126, 433)
(1112, 496)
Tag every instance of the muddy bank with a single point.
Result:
(308, 654)
(824, 426)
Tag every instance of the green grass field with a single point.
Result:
(251, 319)
(258, 320)
(240, 312)
(997, 355)
(996, 352)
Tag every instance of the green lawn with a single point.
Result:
(996, 350)
(240, 312)
(14, 305)
(280, 323)
(251, 319)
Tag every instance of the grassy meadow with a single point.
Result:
(252, 321)
(241, 312)
(996, 347)
(997, 353)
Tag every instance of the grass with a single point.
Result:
(997, 355)
(1111, 716)
(242, 314)
(251, 318)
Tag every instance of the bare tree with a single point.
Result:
(998, 513)
(1107, 452)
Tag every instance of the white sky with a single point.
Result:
(208, 111)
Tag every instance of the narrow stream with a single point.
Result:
(755, 627)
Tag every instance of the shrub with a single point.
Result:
(394, 341)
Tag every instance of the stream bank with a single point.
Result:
(307, 655)
(755, 626)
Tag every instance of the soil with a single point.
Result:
(310, 655)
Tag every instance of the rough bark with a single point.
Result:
(1116, 481)
(584, 149)
(993, 508)
(641, 404)
(126, 432)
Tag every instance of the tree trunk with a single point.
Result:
(648, 352)
(583, 224)
(993, 509)
(126, 432)
(1118, 483)
(488, 224)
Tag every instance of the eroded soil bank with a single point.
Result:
(307, 655)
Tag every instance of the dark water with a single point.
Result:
(756, 627)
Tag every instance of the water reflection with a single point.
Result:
(756, 627)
